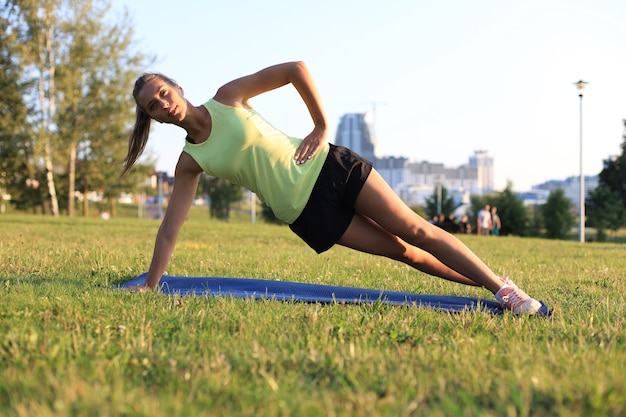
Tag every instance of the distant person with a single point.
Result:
(449, 224)
(496, 225)
(441, 220)
(327, 194)
(464, 225)
(483, 221)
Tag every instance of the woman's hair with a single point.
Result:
(141, 130)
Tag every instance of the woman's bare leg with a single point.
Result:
(366, 236)
(378, 202)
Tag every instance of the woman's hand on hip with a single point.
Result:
(311, 144)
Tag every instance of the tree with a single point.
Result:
(93, 117)
(432, 203)
(83, 65)
(477, 203)
(222, 193)
(535, 223)
(557, 215)
(605, 210)
(13, 114)
(607, 204)
(268, 216)
(512, 212)
(38, 21)
(613, 175)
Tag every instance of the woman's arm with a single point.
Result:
(186, 183)
(237, 93)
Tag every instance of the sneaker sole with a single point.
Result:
(543, 311)
(529, 308)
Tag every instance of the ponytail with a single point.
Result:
(141, 130)
(138, 139)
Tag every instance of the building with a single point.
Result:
(570, 187)
(414, 182)
(356, 132)
(424, 177)
(483, 163)
(394, 171)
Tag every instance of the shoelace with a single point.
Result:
(513, 299)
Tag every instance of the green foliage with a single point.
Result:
(222, 193)
(613, 175)
(610, 213)
(513, 215)
(535, 225)
(421, 211)
(15, 144)
(557, 216)
(605, 210)
(268, 215)
(432, 203)
(79, 65)
(71, 346)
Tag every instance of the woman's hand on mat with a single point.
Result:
(139, 288)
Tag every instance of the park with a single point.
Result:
(75, 341)
(71, 344)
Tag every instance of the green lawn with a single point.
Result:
(71, 346)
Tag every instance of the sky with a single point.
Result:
(441, 79)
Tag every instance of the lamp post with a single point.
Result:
(252, 208)
(439, 196)
(580, 85)
(160, 198)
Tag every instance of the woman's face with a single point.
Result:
(162, 101)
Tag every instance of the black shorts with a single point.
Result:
(330, 208)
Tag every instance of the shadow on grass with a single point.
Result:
(36, 281)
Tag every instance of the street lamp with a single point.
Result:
(581, 86)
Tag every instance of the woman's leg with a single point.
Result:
(378, 202)
(366, 236)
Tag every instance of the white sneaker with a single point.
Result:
(516, 300)
(507, 281)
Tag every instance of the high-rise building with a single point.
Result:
(415, 181)
(355, 132)
(483, 163)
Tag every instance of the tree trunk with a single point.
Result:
(72, 179)
(85, 200)
(54, 202)
(48, 111)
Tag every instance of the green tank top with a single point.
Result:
(246, 149)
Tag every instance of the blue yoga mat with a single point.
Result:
(314, 293)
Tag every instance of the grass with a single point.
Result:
(71, 346)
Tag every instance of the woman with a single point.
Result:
(327, 194)
(496, 224)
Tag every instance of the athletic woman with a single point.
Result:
(327, 194)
